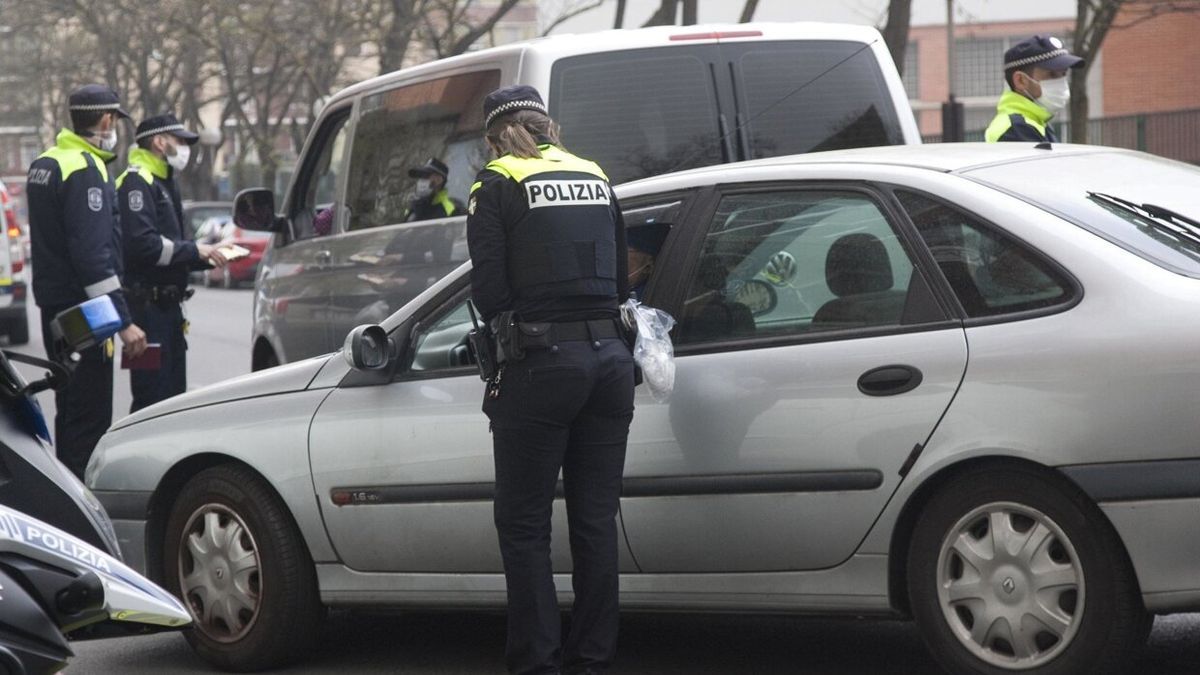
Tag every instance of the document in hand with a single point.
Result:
(233, 252)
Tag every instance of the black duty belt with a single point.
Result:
(159, 293)
(572, 331)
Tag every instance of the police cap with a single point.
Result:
(512, 99)
(1041, 50)
(96, 98)
(165, 124)
(431, 166)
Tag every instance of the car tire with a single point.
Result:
(1069, 587)
(18, 331)
(234, 556)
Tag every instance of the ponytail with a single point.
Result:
(520, 133)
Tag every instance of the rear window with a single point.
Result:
(812, 96)
(638, 113)
(1087, 189)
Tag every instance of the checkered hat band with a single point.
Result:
(1034, 59)
(515, 105)
(97, 106)
(158, 130)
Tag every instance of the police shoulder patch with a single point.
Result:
(471, 206)
(135, 200)
(95, 199)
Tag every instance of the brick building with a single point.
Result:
(1147, 65)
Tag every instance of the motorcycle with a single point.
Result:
(61, 573)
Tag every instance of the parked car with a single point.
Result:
(196, 214)
(955, 383)
(14, 316)
(241, 270)
(638, 102)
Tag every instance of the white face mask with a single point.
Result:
(1056, 94)
(179, 160)
(108, 140)
(424, 187)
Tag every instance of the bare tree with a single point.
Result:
(619, 21)
(748, 10)
(895, 32)
(665, 14)
(1093, 20)
(565, 10)
(689, 12)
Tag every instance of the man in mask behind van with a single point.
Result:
(430, 198)
(1036, 73)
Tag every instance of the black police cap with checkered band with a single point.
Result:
(1043, 51)
(512, 99)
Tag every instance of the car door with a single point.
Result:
(293, 292)
(812, 357)
(403, 470)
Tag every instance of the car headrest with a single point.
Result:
(856, 264)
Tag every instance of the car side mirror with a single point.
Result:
(368, 347)
(254, 209)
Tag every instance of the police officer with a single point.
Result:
(547, 246)
(430, 198)
(76, 249)
(159, 253)
(1035, 71)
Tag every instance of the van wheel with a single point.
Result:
(236, 559)
(1011, 571)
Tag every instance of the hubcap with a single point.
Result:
(1010, 585)
(219, 573)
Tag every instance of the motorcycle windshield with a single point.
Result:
(25, 409)
(128, 596)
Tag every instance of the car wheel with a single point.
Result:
(236, 559)
(1012, 571)
(18, 331)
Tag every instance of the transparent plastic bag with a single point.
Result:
(653, 351)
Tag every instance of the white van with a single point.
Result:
(638, 102)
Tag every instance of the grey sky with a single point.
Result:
(870, 12)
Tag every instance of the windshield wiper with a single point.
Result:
(1161, 218)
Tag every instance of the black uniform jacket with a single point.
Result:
(74, 229)
(159, 250)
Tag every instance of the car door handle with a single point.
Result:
(889, 380)
(323, 257)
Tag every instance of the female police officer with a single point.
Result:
(547, 246)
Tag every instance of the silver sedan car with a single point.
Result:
(954, 383)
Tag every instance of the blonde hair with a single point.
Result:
(519, 133)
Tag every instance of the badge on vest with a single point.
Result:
(541, 193)
(135, 200)
(95, 199)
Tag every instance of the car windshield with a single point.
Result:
(1123, 197)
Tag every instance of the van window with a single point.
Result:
(402, 128)
(814, 95)
(317, 209)
(638, 112)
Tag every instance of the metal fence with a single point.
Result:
(1175, 135)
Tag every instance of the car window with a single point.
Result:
(990, 273)
(442, 344)
(639, 112)
(814, 95)
(316, 212)
(402, 128)
(795, 262)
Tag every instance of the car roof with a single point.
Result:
(941, 157)
(570, 44)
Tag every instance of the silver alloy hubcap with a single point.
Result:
(1010, 585)
(219, 573)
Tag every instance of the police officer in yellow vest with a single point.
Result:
(1035, 71)
(75, 239)
(159, 253)
(548, 256)
(430, 198)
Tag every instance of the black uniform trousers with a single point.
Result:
(84, 405)
(162, 322)
(567, 408)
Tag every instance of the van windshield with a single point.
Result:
(645, 112)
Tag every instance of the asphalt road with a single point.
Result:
(444, 644)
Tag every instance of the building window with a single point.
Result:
(911, 75)
(978, 67)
